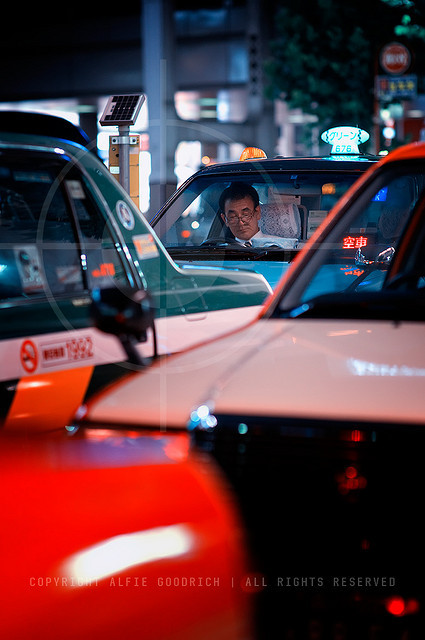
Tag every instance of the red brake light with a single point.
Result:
(398, 606)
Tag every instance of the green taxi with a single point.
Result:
(67, 228)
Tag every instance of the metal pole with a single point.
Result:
(124, 156)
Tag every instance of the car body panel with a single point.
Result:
(356, 360)
(103, 534)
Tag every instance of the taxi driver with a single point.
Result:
(240, 210)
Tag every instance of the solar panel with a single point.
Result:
(122, 110)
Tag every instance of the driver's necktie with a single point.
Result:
(248, 243)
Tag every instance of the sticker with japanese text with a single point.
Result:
(145, 246)
(28, 263)
(66, 351)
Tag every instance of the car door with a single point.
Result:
(55, 245)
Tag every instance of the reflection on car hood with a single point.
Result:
(307, 368)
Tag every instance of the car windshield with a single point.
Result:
(292, 205)
(367, 264)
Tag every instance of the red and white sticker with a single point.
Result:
(54, 353)
(29, 268)
(29, 356)
(145, 246)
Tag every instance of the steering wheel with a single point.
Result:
(210, 242)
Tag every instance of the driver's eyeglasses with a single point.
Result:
(245, 218)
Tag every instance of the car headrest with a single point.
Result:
(280, 219)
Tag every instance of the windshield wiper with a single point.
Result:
(383, 305)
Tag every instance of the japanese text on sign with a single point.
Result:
(390, 87)
(350, 242)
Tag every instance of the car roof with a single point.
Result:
(409, 151)
(358, 163)
(45, 125)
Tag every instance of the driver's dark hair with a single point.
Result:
(237, 191)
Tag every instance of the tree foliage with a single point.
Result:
(324, 54)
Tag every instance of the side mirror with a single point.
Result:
(126, 314)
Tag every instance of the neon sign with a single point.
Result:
(345, 140)
(353, 272)
(349, 242)
(105, 269)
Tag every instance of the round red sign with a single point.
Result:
(395, 58)
(29, 356)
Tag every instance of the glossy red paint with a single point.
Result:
(165, 526)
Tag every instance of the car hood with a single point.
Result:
(345, 369)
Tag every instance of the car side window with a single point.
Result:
(39, 250)
(358, 252)
(101, 259)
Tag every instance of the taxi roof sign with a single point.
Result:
(251, 153)
(345, 140)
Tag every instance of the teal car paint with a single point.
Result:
(67, 228)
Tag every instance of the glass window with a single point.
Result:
(39, 251)
(358, 253)
(292, 206)
(100, 254)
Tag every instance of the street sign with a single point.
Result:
(395, 58)
(403, 87)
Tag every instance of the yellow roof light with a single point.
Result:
(251, 153)
(345, 140)
(328, 188)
